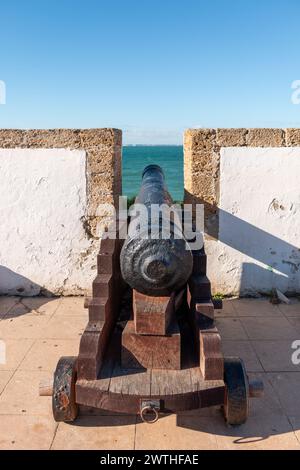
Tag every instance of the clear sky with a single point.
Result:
(149, 67)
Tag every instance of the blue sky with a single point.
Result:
(151, 68)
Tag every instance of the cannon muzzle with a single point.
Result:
(155, 259)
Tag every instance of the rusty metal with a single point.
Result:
(149, 411)
(256, 388)
(236, 406)
(63, 399)
(157, 266)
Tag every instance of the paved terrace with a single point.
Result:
(37, 331)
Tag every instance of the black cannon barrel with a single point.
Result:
(153, 260)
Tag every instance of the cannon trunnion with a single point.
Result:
(150, 345)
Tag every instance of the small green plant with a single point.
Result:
(218, 296)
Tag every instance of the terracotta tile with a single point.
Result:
(45, 353)
(21, 395)
(295, 322)
(5, 376)
(275, 356)
(295, 422)
(227, 310)
(189, 432)
(41, 305)
(210, 411)
(286, 386)
(231, 328)
(72, 306)
(267, 430)
(96, 433)
(268, 328)
(22, 327)
(255, 308)
(15, 352)
(292, 309)
(26, 432)
(269, 404)
(264, 432)
(18, 310)
(6, 303)
(244, 350)
(64, 327)
(26, 419)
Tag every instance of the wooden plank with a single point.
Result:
(105, 263)
(199, 263)
(99, 308)
(179, 297)
(205, 308)
(211, 357)
(199, 287)
(91, 350)
(160, 352)
(152, 315)
(128, 382)
(170, 382)
(103, 311)
(197, 381)
(102, 285)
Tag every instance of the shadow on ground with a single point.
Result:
(15, 285)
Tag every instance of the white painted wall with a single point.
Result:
(259, 231)
(42, 240)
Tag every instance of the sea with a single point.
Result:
(169, 157)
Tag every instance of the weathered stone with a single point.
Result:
(265, 138)
(104, 160)
(95, 137)
(52, 138)
(103, 149)
(199, 139)
(98, 198)
(292, 137)
(10, 138)
(202, 160)
(231, 137)
(203, 187)
(188, 179)
(104, 155)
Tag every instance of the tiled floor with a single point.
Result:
(38, 331)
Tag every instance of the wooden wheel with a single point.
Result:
(64, 405)
(236, 405)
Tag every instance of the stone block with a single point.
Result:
(265, 138)
(148, 351)
(292, 137)
(199, 139)
(231, 137)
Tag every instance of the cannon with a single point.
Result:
(151, 345)
(153, 260)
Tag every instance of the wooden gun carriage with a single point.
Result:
(150, 345)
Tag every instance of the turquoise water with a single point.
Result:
(169, 157)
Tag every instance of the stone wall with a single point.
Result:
(47, 153)
(269, 255)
